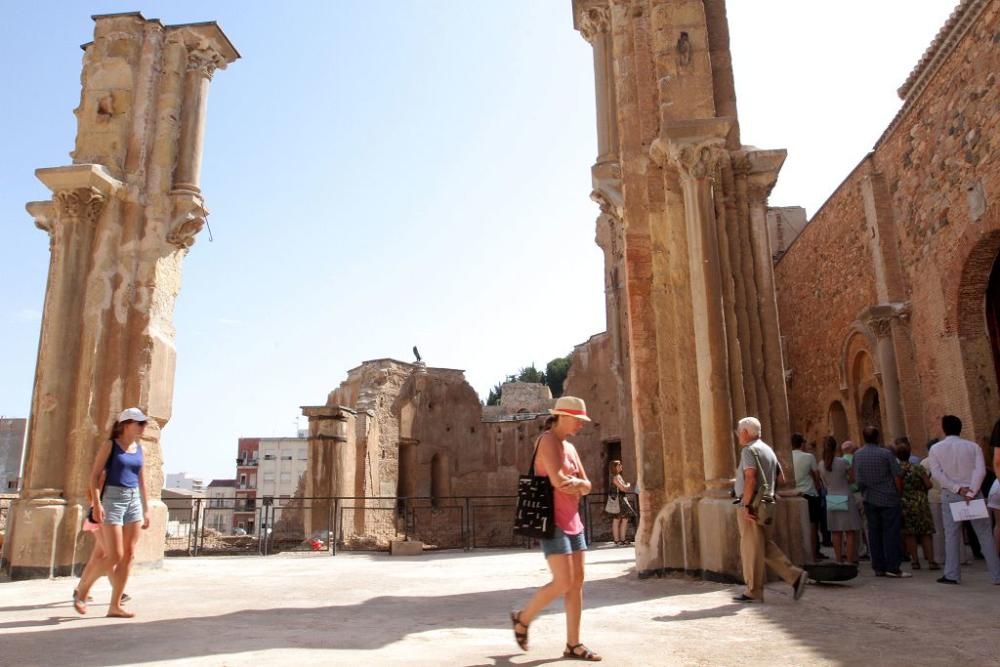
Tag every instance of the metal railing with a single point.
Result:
(271, 525)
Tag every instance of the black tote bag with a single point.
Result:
(535, 508)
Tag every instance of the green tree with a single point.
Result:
(555, 375)
(494, 397)
(531, 374)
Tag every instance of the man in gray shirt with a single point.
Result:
(880, 480)
(757, 550)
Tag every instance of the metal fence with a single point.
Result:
(198, 527)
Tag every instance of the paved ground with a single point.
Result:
(451, 609)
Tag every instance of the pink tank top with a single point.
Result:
(567, 505)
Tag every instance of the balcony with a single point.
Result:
(241, 462)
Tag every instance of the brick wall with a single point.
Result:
(943, 189)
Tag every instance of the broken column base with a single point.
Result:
(45, 539)
(699, 536)
(406, 548)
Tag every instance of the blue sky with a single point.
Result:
(391, 173)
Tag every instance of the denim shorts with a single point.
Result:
(122, 505)
(561, 544)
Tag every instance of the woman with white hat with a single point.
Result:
(120, 507)
(557, 458)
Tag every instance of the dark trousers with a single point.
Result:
(885, 525)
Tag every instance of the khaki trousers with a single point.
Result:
(758, 550)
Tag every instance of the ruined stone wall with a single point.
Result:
(940, 197)
(11, 451)
(591, 378)
(525, 396)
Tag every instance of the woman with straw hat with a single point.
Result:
(557, 458)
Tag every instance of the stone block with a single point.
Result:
(406, 548)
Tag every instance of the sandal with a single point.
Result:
(933, 565)
(915, 565)
(90, 598)
(581, 652)
(520, 637)
(79, 605)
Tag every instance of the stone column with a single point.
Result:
(761, 175)
(697, 149)
(881, 320)
(117, 240)
(330, 471)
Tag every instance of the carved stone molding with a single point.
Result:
(593, 21)
(188, 219)
(205, 60)
(879, 318)
(694, 159)
(80, 205)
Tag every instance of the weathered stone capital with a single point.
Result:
(205, 60)
(189, 215)
(694, 159)
(81, 205)
(879, 318)
(592, 19)
(760, 168)
(44, 214)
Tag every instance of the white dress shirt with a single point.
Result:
(956, 462)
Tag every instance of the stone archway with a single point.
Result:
(993, 315)
(838, 422)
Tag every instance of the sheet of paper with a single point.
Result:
(974, 509)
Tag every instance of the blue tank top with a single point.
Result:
(124, 468)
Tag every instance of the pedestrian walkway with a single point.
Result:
(451, 609)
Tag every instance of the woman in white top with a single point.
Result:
(842, 515)
(619, 519)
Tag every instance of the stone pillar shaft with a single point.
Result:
(117, 240)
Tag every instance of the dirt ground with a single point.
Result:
(451, 608)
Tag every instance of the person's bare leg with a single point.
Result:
(911, 549)
(560, 566)
(111, 543)
(96, 554)
(837, 537)
(614, 530)
(927, 544)
(852, 546)
(130, 537)
(574, 599)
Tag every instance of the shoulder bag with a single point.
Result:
(763, 501)
(535, 516)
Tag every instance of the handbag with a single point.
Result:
(836, 503)
(613, 505)
(535, 515)
(763, 501)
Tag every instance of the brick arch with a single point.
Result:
(971, 287)
(968, 275)
(977, 250)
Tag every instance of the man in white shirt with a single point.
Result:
(808, 483)
(958, 465)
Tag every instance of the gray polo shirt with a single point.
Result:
(768, 464)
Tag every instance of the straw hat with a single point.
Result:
(571, 406)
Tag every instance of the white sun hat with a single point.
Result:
(132, 414)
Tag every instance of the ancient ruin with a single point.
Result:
(121, 219)
(692, 318)
(890, 297)
(405, 430)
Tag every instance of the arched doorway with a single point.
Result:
(838, 422)
(870, 413)
(993, 314)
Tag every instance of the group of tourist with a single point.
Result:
(887, 498)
